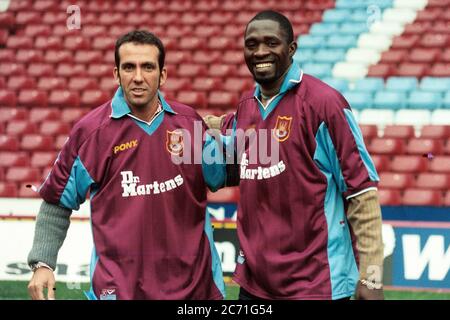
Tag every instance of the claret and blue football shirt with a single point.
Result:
(152, 235)
(295, 239)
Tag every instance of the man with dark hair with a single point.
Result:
(152, 234)
(309, 222)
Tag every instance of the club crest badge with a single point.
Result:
(175, 142)
(282, 128)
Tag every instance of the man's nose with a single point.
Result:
(138, 75)
(261, 50)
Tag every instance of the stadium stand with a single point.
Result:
(395, 74)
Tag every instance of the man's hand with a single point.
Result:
(364, 293)
(214, 122)
(42, 278)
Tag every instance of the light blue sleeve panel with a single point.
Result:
(364, 154)
(77, 186)
(214, 162)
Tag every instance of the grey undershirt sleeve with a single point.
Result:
(51, 227)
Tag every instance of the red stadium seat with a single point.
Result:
(222, 70)
(111, 18)
(17, 69)
(206, 84)
(192, 70)
(176, 84)
(422, 55)
(7, 98)
(8, 114)
(25, 190)
(59, 56)
(234, 30)
(44, 6)
(72, 115)
(14, 159)
(22, 174)
(445, 56)
(93, 98)
(389, 197)
(21, 82)
(178, 57)
(41, 70)
(74, 43)
(38, 115)
(71, 70)
(222, 100)
(51, 83)
(225, 195)
(221, 43)
(29, 56)
(27, 17)
(53, 127)
(394, 56)
(100, 70)
(19, 42)
(386, 146)
(48, 43)
(206, 57)
(64, 98)
(43, 159)
(211, 31)
(412, 69)
(238, 85)
(104, 43)
(233, 57)
(435, 132)
(165, 18)
(8, 190)
(82, 83)
(220, 18)
(393, 180)
(440, 70)
(447, 147)
(192, 18)
(137, 19)
(439, 181)
(36, 142)
(382, 70)
(440, 164)
(424, 146)
(192, 98)
(33, 98)
(404, 41)
(88, 56)
(429, 14)
(8, 55)
(422, 197)
(417, 28)
(6, 19)
(54, 18)
(430, 40)
(441, 26)
(191, 43)
(20, 127)
(398, 131)
(413, 164)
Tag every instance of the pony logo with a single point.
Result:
(282, 128)
(175, 142)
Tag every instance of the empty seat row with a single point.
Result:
(417, 146)
(413, 197)
(411, 163)
(396, 180)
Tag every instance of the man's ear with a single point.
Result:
(292, 48)
(163, 76)
(116, 75)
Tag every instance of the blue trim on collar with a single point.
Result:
(293, 78)
(120, 107)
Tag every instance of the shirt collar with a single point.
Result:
(292, 78)
(120, 107)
